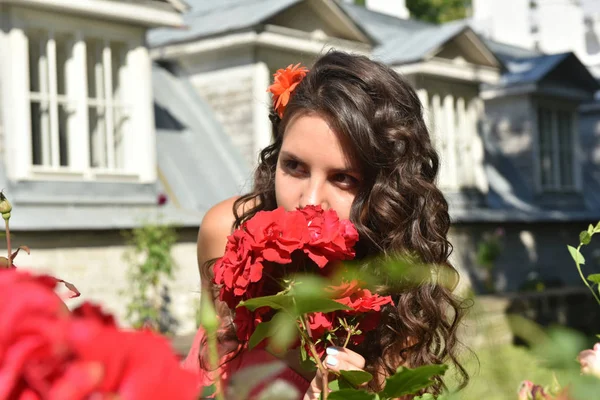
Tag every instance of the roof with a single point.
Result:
(420, 44)
(535, 69)
(508, 52)
(198, 167)
(208, 18)
(382, 27)
(198, 164)
(404, 41)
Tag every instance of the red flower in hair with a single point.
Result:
(284, 84)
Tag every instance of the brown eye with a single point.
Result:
(293, 167)
(346, 181)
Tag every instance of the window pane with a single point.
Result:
(63, 135)
(63, 54)
(40, 124)
(120, 125)
(37, 62)
(546, 147)
(565, 137)
(97, 129)
(118, 61)
(95, 71)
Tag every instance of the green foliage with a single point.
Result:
(438, 11)
(409, 381)
(151, 267)
(585, 238)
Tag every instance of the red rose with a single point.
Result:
(360, 300)
(48, 353)
(134, 364)
(237, 268)
(33, 330)
(330, 238)
(319, 323)
(246, 321)
(277, 234)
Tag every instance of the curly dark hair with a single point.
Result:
(397, 209)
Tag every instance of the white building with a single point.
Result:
(550, 26)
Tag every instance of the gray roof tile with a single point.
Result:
(208, 18)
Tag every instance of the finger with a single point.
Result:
(344, 359)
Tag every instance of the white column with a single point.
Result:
(78, 125)
(260, 108)
(439, 137)
(450, 134)
(475, 112)
(424, 98)
(15, 104)
(53, 93)
(463, 144)
(140, 141)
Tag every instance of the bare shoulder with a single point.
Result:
(215, 227)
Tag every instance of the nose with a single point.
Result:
(314, 193)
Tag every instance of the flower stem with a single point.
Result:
(580, 274)
(350, 332)
(8, 243)
(315, 354)
(213, 354)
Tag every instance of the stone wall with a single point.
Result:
(230, 94)
(531, 252)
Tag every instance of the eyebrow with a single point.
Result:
(345, 170)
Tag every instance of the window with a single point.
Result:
(556, 134)
(56, 92)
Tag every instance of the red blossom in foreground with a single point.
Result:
(48, 353)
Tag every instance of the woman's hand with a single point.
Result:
(338, 359)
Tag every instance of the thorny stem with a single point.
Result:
(8, 243)
(315, 354)
(350, 332)
(580, 274)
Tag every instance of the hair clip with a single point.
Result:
(284, 84)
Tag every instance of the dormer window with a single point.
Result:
(557, 147)
(56, 92)
(81, 100)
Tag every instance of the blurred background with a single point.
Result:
(123, 121)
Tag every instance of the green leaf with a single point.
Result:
(276, 302)
(590, 229)
(597, 228)
(585, 237)
(356, 378)
(409, 381)
(339, 384)
(352, 394)
(316, 304)
(262, 331)
(304, 304)
(208, 391)
(577, 256)
(283, 331)
(426, 396)
(594, 278)
(598, 336)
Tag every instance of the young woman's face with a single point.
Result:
(313, 168)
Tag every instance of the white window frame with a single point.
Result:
(555, 106)
(139, 157)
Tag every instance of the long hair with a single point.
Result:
(397, 209)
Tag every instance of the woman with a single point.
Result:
(352, 138)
